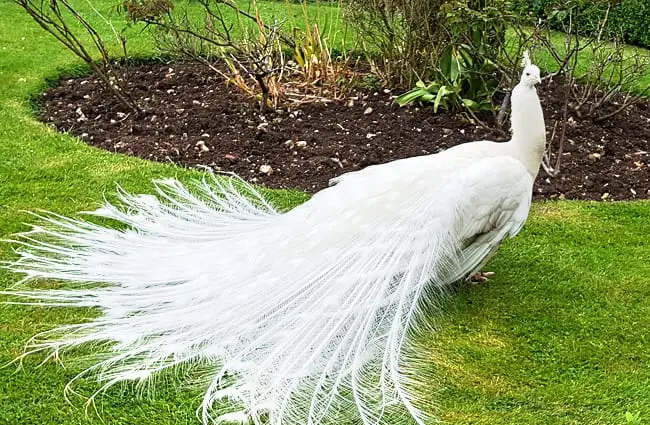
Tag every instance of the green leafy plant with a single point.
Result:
(425, 93)
(476, 61)
(459, 84)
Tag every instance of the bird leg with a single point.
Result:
(481, 277)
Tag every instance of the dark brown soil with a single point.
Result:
(192, 118)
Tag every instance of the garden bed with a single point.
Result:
(193, 119)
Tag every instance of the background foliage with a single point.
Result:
(630, 18)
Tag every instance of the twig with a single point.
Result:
(53, 21)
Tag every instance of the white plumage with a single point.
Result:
(301, 314)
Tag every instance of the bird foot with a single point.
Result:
(481, 277)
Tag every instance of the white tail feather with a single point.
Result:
(307, 326)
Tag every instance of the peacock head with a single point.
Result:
(531, 74)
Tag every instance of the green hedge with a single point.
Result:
(630, 17)
(633, 16)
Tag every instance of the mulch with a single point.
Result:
(192, 118)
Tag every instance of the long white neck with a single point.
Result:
(528, 129)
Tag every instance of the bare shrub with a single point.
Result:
(597, 91)
(72, 29)
(258, 55)
(405, 34)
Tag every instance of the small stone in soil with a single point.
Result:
(202, 146)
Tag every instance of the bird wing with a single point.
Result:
(497, 206)
(489, 196)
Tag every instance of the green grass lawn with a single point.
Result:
(560, 336)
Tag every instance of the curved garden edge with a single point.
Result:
(193, 119)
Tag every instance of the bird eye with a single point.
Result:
(528, 74)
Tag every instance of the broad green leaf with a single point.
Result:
(454, 71)
(410, 96)
(439, 97)
(471, 105)
(445, 62)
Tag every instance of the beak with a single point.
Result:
(538, 80)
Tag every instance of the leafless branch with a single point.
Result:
(51, 16)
